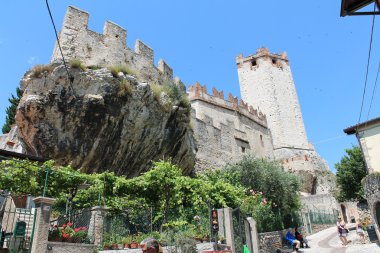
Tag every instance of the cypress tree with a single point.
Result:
(11, 111)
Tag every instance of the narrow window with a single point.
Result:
(274, 61)
(243, 149)
(254, 63)
(261, 140)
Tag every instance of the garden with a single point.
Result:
(161, 203)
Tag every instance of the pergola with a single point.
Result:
(352, 7)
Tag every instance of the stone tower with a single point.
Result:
(266, 83)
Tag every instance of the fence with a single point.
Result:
(130, 227)
(317, 219)
(17, 217)
(75, 226)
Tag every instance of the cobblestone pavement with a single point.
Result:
(327, 241)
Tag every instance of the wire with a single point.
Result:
(369, 57)
(374, 90)
(71, 78)
(330, 139)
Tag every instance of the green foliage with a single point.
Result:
(267, 176)
(349, 173)
(11, 111)
(77, 64)
(176, 95)
(25, 177)
(171, 199)
(116, 69)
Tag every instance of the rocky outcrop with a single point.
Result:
(101, 122)
(310, 167)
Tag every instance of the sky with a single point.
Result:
(200, 39)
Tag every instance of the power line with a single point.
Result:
(71, 78)
(330, 139)
(374, 90)
(369, 57)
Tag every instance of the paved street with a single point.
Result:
(327, 241)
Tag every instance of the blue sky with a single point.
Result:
(201, 38)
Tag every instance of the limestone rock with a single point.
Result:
(100, 122)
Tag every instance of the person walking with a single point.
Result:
(342, 231)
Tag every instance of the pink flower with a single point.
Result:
(64, 225)
(77, 229)
(69, 224)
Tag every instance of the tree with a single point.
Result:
(268, 177)
(11, 111)
(349, 173)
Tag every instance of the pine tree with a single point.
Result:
(11, 111)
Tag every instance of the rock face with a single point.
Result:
(100, 122)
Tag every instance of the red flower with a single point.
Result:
(66, 236)
(77, 230)
(69, 224)
(64, 225)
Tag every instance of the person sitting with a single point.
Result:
(292, 240)
(300, 238)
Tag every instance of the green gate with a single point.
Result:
(17, 223)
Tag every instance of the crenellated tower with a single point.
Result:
(266, 82)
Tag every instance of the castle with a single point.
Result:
(266, 122)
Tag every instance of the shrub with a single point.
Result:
(77, 64)
(116, 69)
(125, 87)
(39, 69)
(157, 90)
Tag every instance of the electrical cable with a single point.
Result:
(71, 78)
(369, 57)
(374, 90)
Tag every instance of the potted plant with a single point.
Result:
(127, 241)
(106, 246)
(115, 245)
(135, 241)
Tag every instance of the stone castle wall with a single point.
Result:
(266, 83)
(226, 130)
(109, 48)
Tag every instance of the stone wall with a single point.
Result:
(325, 202)
(372, 194)
(109, 48)
(269, 240)
(64, 247)
(226, 130)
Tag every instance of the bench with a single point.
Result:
(283, 246)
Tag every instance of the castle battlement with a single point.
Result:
(262, 55)
(199, 92)
(106, 49)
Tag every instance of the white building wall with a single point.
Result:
(370, 142)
